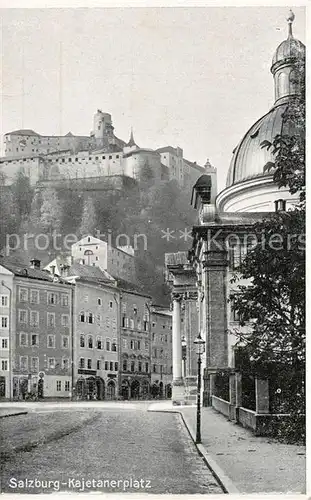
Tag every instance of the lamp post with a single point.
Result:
(184, 353)
(200, 345)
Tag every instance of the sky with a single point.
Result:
(194, 77)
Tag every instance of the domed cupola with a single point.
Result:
(286, 77)
(250, 185)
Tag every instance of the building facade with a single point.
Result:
(40, 331)
(161, 352)
(135, 348)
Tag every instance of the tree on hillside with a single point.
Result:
(22, 194)
(88, 219)
(50, 211)
(9, 213)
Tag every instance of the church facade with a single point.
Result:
(221, 239)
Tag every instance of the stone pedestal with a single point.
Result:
(178, 392)
(262, 396)
(191, 389)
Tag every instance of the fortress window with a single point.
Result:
(280, 205)
(63, 160)
(117, 156)
(104, 157)
(96, 157)
(76, 159)
(110, 157)
(69, 159)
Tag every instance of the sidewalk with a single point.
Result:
(243, 462)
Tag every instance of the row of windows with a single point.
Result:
(129, 323)
(59, 385)
(34, 340)
(100, 365)
(131, 366)
(34, 297)
(33, 364)
(34, 318)
(160, 338)
(79, 158)
(4, 343)
(135, 344)
(162, 369)
(167, 326)
(87, 341)
(159, 353)
(89, 317)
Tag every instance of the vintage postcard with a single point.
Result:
(152, 249)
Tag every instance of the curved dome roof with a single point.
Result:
(290, 48)
(249, 158)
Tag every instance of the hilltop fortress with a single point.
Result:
(49, 160)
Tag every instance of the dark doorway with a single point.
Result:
(2, 387)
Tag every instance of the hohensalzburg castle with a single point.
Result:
(48, 160)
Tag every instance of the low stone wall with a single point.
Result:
(221, 405)
(247, 418)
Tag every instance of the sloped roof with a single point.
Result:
(26, 271)
(90, 272)
(22, 132)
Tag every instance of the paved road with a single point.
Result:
(131, 450)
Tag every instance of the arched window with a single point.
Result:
(99, 343)
(82, 341)
(82, 317)
(282, 84)
(90, 342)
(108, 345)
(124, 365)
(91, 318)
(114, 345)
(132, 366)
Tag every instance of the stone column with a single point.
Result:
(262, 395)
(176, 340)
(178, 383)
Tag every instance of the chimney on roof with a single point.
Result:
(64, 270)
(35, 264)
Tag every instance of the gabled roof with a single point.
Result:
(90, 272)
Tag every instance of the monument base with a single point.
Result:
(178, 392)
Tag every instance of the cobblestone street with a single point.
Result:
(141, 451)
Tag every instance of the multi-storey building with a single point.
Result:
(117, 261)
(135, 348)
(39, 331)
(96, 337)
(161, 352)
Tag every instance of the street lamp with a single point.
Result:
(200, 345)
(184, 353)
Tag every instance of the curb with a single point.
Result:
(14, 414)
(47, 439)
(224, 481)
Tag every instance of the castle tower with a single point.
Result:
(102, 125)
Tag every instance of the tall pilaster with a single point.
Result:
(176, 333)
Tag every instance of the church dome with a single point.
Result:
(249, 184)
(290, 48)
(249, 157)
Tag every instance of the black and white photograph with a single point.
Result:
(152, 249)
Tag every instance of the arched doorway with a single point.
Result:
(145, 389)
(111, 390)
(125, 390)
(91, 388)
(100, 388)
(168, 391)
(155, 391)
(81, 388)
(135, 389)
(161, 389)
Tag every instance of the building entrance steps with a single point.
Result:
(243, 462)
